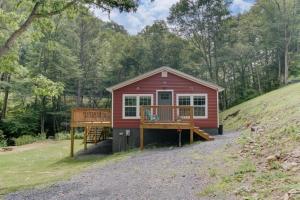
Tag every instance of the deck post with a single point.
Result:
(191, 136)
(179, 137)
(72, 141)
(85, 138)
(141, 137)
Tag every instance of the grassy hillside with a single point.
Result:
(274, 110)
(265, 161)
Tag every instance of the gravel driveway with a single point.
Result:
(165, 173)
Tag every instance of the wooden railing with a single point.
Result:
(82, 117)
(167, 114)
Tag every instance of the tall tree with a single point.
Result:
(201, 22)
(38, 9)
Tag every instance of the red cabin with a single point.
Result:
(145, 107)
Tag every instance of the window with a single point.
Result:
(145, 100)
(130, 106)
(132, 103)
(198, 101)
(184, 101)
(199, 106)
(165, 96)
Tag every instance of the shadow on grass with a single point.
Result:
(94, 158)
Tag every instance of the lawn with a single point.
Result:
(47, 163)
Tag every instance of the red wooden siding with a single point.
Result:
(172, 82)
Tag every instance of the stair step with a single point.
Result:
(203, 134)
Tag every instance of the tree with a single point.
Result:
(47, 8)
(201, 21)
(45, 88)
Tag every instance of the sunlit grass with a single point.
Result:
(48, 163)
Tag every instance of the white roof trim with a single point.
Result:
(168, 69)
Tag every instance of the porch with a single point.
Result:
(169, 117)
(95, 122)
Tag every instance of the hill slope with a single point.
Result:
(274, 109)
(269, 145)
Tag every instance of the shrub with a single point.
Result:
(67, 136)
(27, 139)
(3, 140)
(62, 136)
(21, 122)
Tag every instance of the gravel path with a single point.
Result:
(163, 173)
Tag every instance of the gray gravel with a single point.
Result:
(164, 173)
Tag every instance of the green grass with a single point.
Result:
(45, 164)
(252, 177)
(274, 108)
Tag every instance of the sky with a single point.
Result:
(148, 12)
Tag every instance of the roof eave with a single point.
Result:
(184, 75)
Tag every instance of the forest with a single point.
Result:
(65, 56)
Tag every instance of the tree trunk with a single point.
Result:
(279, 67)
(286, 44)
(43, 114)
(286, 62)
(78, 99)
(5, 99)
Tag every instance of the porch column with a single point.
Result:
(85, 137)
(72, 141)
(141, 138)
(191, 136)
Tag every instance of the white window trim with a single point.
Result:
(192, 103)
(137, 102)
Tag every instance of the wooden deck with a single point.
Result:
(169, 117)
(94, 122)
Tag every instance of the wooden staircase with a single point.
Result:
(203, 134)
(95, 134)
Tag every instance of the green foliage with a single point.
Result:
(3, 140)
(68, 60)
(46, 88)
(28, 139)
(23, 121)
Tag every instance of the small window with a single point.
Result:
(199, 106)
(197, 101)
(145, 100)
(164, 96)
(184, 100)
(130, 106)
(164, 74)
(132, 103)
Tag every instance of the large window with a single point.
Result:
(132, 103)
(198, 101)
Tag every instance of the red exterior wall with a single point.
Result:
(172, 82)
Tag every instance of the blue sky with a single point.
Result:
(149, 11)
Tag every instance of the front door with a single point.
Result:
(164, 98)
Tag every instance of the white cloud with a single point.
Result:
(149, 11)
(145, 15)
